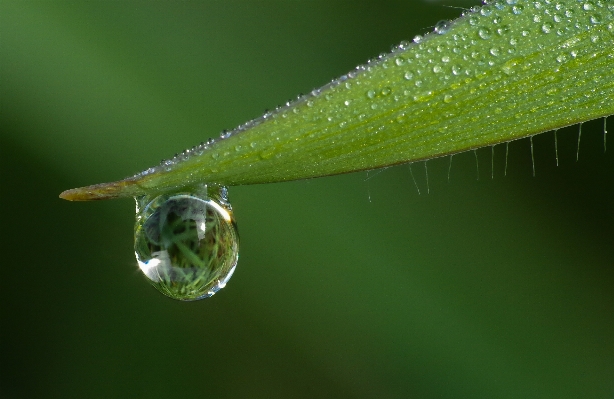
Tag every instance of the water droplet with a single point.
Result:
(447, 98)
(518, 9)
(408, 76)
(386, 91)
(186, 243)
(595, 19)
(399, 61)
(437, 69)
(509, 67)
(547, 27)
(346, 103)
(417, 39)
(561, 58)
(494, 51)
(442, 27)
(371, 94)
(484, 33)
(456, 70)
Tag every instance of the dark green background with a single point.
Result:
(346, 287)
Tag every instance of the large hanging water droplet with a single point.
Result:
(186, 243)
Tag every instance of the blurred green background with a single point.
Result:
(347, 287)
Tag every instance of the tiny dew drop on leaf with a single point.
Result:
(186, 243)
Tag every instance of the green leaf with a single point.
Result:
(507, 70)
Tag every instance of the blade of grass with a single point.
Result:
(507, 70)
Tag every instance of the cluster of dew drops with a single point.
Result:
(554, 18)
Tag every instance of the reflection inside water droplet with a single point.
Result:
(186, 242)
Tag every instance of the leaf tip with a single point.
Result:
(101, 191)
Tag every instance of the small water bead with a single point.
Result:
(186, 243)
(547, 27)
(408, 76)
(484, 33)
(518, 9)
(442, 27)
